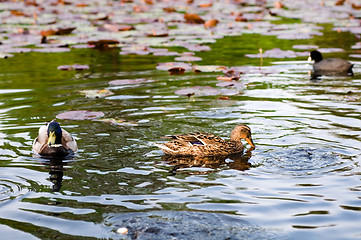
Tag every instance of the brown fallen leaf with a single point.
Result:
(60, 31)
(211, 23)
(169, 9)
(340, 2)
(357, 7)
(82, 5)
(64, 31)
(193, 18)
(224, 98)
(47, 33)
(18, 13)
(205, 5)
(150, 2)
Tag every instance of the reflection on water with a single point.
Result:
(235, 161)
(301, 182)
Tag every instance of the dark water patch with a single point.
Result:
(185, 225)
(303, 162)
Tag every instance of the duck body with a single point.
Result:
(330, 66)
(54, 141)
(205, 144)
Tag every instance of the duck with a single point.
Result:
(205, 144)
(330, 66)
(54, 141)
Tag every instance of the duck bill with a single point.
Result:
(51, 138)
(250, 142)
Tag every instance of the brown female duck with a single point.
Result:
(205, 144)
(54, 141)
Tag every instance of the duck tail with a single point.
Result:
(165, 149)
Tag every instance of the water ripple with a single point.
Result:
(302, 162)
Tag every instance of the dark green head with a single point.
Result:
(54, 133)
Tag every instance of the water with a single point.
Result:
(301, 182)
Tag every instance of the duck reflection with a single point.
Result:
(56, 172)
(238, 161)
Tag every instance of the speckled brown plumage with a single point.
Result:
(205, 144)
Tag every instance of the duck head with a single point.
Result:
(242, 131)
(54, 133)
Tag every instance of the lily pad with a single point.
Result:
(187, 58)
(79, 115)
(278, 53)
(208, 68)
(96, 93)
(231, 84)
(169, 66)
(128, 81)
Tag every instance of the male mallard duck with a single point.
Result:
(204, 144)
(330, 66)
(54, 141)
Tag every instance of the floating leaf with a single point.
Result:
(187, 58)
(96, 93)
(232, 84)
(211, 23)
(193, 18)
(208, 68)
(76, 67)
(129, 81)
(305, 47)
(169, 66)
(60, 31)
(116, 27)
(278, 53)
(79, 115)
(198, 91)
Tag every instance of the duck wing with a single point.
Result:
(197, 138)
(41, 141)
(68, 141)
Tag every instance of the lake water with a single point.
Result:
(303, 180)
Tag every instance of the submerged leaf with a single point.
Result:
(198, 91)
(117, 122)
(96, 93)
(79, 115)
(76, 67)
